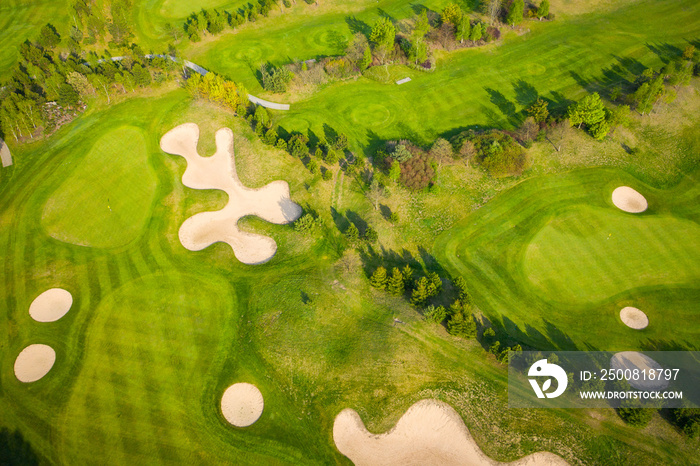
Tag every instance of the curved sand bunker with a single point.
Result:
(51, 305)
(34, 362)
(629, 200)
(633, 360)
(242, 404)
(430, 432)
(634, 318)
(271, 203)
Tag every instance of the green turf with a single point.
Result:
(585, 255)
(488, 86)
(553, 261)
(111, 190)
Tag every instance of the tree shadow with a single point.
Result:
(525, 93)
(506, 107)
(330, 134)
(383, 14)
(14, 449)
(385, 211)
(313, 139)
(341, 223)
(357, 25)
(374, 142)
(357, 220)
(666, 52)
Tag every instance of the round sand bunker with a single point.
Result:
(51, 305)
(34, 362)
(242, 404)
(629, 200)
(634, 318)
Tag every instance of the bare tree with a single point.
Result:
(558, 134)
(493, 9)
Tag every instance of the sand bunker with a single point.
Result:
(34, 362)
(242, 404)
(634, 318)
(629, 200)
(430, 432)
(51, 305)
(271, 203)
(5, 156)
(633, 360)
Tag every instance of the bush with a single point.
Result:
(306, 223)
(633, 414)
(327, 175)
(498, 153)
(417, 173)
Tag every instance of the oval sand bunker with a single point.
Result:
(633, 360)
(242, 404)
(634, 318)
(629, 200)
(51, 305)
(34, 362)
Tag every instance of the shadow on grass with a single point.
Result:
(14, 450)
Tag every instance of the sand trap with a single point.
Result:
(5, 156)
(430, 432)
(34, 362)
(629, 200)
(242, 404)
(51, 305)
(271, 203)
(633, 360)
(634, 318)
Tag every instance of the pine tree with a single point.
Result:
(436, 282)
(475, 33)
(396, 285)
(352, 233)
(378, 279)
(366, 59)
(421, 293)
(463, 29)
(461, 285)
(407, 273)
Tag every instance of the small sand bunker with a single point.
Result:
(51, 305)
(629, 200)
(634, 318)
(430, 432)
(5, 156)
(271, 203)
(633, 360)
(242, 404)
(34, 362)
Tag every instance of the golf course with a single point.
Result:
(181, 284)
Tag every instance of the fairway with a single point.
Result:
(553, 261)
(111, 191)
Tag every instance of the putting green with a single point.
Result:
(588, 254)
(106, 201)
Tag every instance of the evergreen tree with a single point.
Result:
(407, 273)
(475, 33)
(436, 282)
(396, 285)
(461, 322)
(463, 29)
(48, 37)
(353, 234)
(451, 14)
(421, 292)
(366, 59)
(142, 76)
(538, 110)
(378, 279)
(435, 314)
(371, 235)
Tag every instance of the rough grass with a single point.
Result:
(111, 189)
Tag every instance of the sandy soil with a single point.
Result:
(34, 362)
(5, 156)
(634, 318)
(430, 432)
(629, 200)
(271, 202)
(634, 360)
(242, 404)
(51, 305)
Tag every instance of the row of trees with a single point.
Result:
(46, 89)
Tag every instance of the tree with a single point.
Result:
(80, 83)
(375, 192)
(383, 34)
(460, 285)
(420, 293)
(435, 314)
(142, 76)
(633, 414)
(67, 96)
(543, 9)
(515, 14)
(436, 283)
(528, 130)
(589, 111)
(421, 26)
(689, 53)
(48, 37)
(407, 273)
(401, 153)
(366, 59)
(441, 151)
(261, 116)
(475, 33)
(371, 235)
(538, 110)
(648, 94)
(271, 138)
(461, 322)
(558, 133)
(463, 29)
(298, 145)
(353, 234)
(396, 285)
(451, 14)
(493, 9)
(378, 279)
(418, 53)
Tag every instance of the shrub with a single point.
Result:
(417, 173)
(498, 153)
(632, 414)
(306, 223)
(327, 175)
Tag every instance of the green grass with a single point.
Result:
(488, 86)
(553, 261)
(112, 190)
